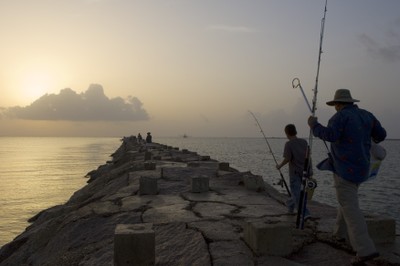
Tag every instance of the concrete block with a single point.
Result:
(149, 166)
(134, 244)
(148, 185)
(254, 182)
(205, 158)
(381, 229)
(204, 164)
(193, 164)
(267, 238)
(147, 156)
(200, 184)
(223, 166)
(157, 157)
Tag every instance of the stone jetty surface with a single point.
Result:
(200, 212)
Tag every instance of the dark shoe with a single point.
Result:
(360, 260)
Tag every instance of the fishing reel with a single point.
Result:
(311, 184)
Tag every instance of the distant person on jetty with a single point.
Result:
(294, 153)
(350, 131)
(149, 138)
(139, 138)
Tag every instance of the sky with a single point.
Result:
(173, 67)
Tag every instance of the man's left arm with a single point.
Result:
(378, 133)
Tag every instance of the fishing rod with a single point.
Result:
(296, 84)
(307, 171)
(273, 156)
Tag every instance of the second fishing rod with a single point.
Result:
(273, 156)
(307, 172)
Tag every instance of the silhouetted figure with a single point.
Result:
(139, 137)
(350, 131)
(294, 154)
(149, 138)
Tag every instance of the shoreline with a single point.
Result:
(82, 230)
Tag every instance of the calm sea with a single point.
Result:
(37, 173)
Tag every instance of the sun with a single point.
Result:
(35, 84)
(29, 79)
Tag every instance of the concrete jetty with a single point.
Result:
(154, 204)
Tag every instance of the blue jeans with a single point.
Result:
(295, 187)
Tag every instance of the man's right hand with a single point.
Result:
(312, 120)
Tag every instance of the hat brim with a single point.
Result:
(331, 103)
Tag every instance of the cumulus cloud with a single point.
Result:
(92, 105)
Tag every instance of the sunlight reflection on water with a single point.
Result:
(37, 173)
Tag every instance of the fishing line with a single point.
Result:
(270, 150)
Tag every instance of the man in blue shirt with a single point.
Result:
(350, 132)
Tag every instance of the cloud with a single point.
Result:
(92, 105)
(388, 51)
(233, 29)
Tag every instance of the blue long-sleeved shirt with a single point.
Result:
(350, 131)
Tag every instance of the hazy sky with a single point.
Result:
(173, 67)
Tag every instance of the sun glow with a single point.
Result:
(28, 77)
(33, 84)
(36, 84)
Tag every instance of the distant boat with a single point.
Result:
(185, 136)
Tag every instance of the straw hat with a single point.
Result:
(342, 96)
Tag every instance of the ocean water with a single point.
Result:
(37, 173)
